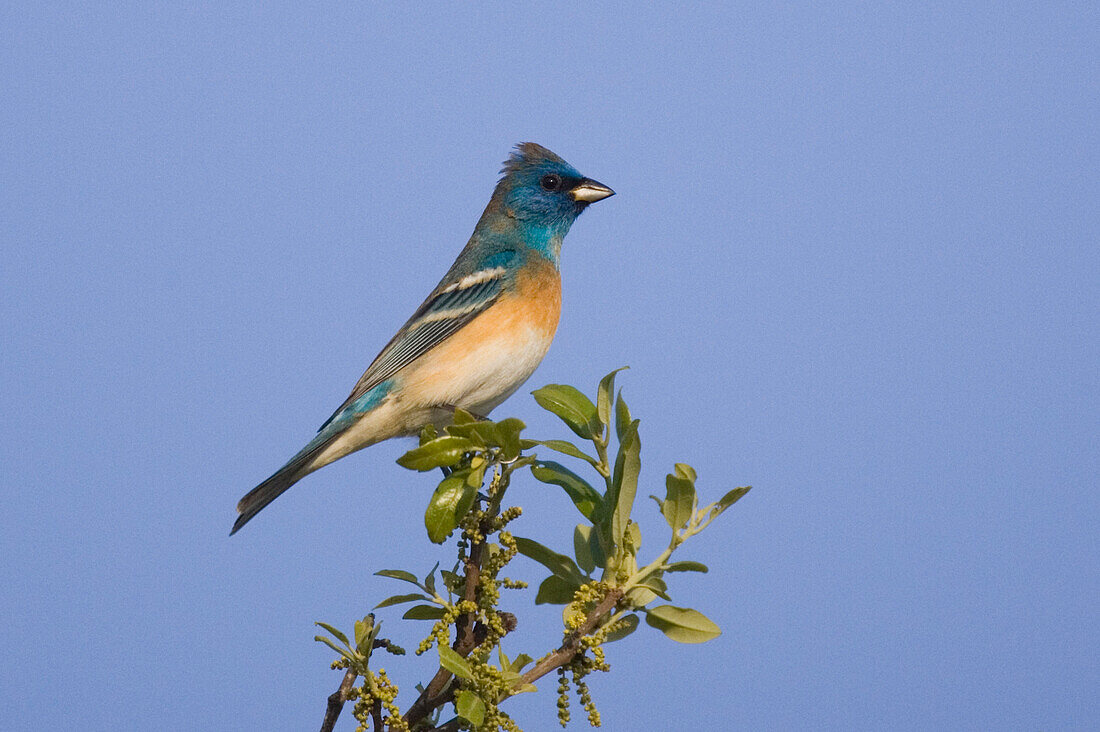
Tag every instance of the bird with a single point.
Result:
(476, 338)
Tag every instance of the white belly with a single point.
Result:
(480, 380)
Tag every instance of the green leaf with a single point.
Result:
(343, 638)
(622, 416)
(728, 500)
(449, 504)
(520, 661)
(452, 580)
(559, 564)
(428, 434)
(328, 642)
(555, 590)
(639, 597)
(363, 631)
(595, 548)
(470, 707)
(461, 417)
(624, 481)
(633, 537)
(603, 396)
(398, 599)
(584, 496)
(398, 574)
(644, 593)
(584, 547)
(679, 503)
(429, 579)
(687, 567)
(686, 472)
(565, 448)
(657, 586)
(681, 624)
(481, 434)
(439, 453)
(508, 431)
(456, 664)
(503, 435)
(475, 476)
(573, 407)
(630, 625)
(466, 500)
(522, 462)
(424, 612)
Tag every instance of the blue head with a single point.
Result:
(542, 195)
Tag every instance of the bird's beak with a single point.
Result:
(590, 191)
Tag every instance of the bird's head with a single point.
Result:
(542, 190)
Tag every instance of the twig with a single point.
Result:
(437, 691)
(568, 649)
(563, 655)
(336, 701)
(376, 715)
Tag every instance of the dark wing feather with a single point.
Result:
(440, 316)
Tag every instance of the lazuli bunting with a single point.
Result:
(477, 337)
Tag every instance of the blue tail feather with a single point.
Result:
(299, 466)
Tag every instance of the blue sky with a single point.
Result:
(852, 262)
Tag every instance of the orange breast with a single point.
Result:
(495, 352)
(535, 303)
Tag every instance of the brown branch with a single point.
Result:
(336, 701)
(569, 648)
(470, 632)
(436, 692)
(376, 715)
(563, 655)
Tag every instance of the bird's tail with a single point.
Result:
(299, 467)
(313, 456)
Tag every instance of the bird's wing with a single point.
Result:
(445, 311)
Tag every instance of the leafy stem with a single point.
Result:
(468, 625)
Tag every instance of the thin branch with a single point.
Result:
(376, 715)
(437, 692)
(569, 648)
(336, 701)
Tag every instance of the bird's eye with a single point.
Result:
(550, 182)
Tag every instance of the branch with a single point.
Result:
(376, 715)
(336, 701)
(436, 692)
(568, 649)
